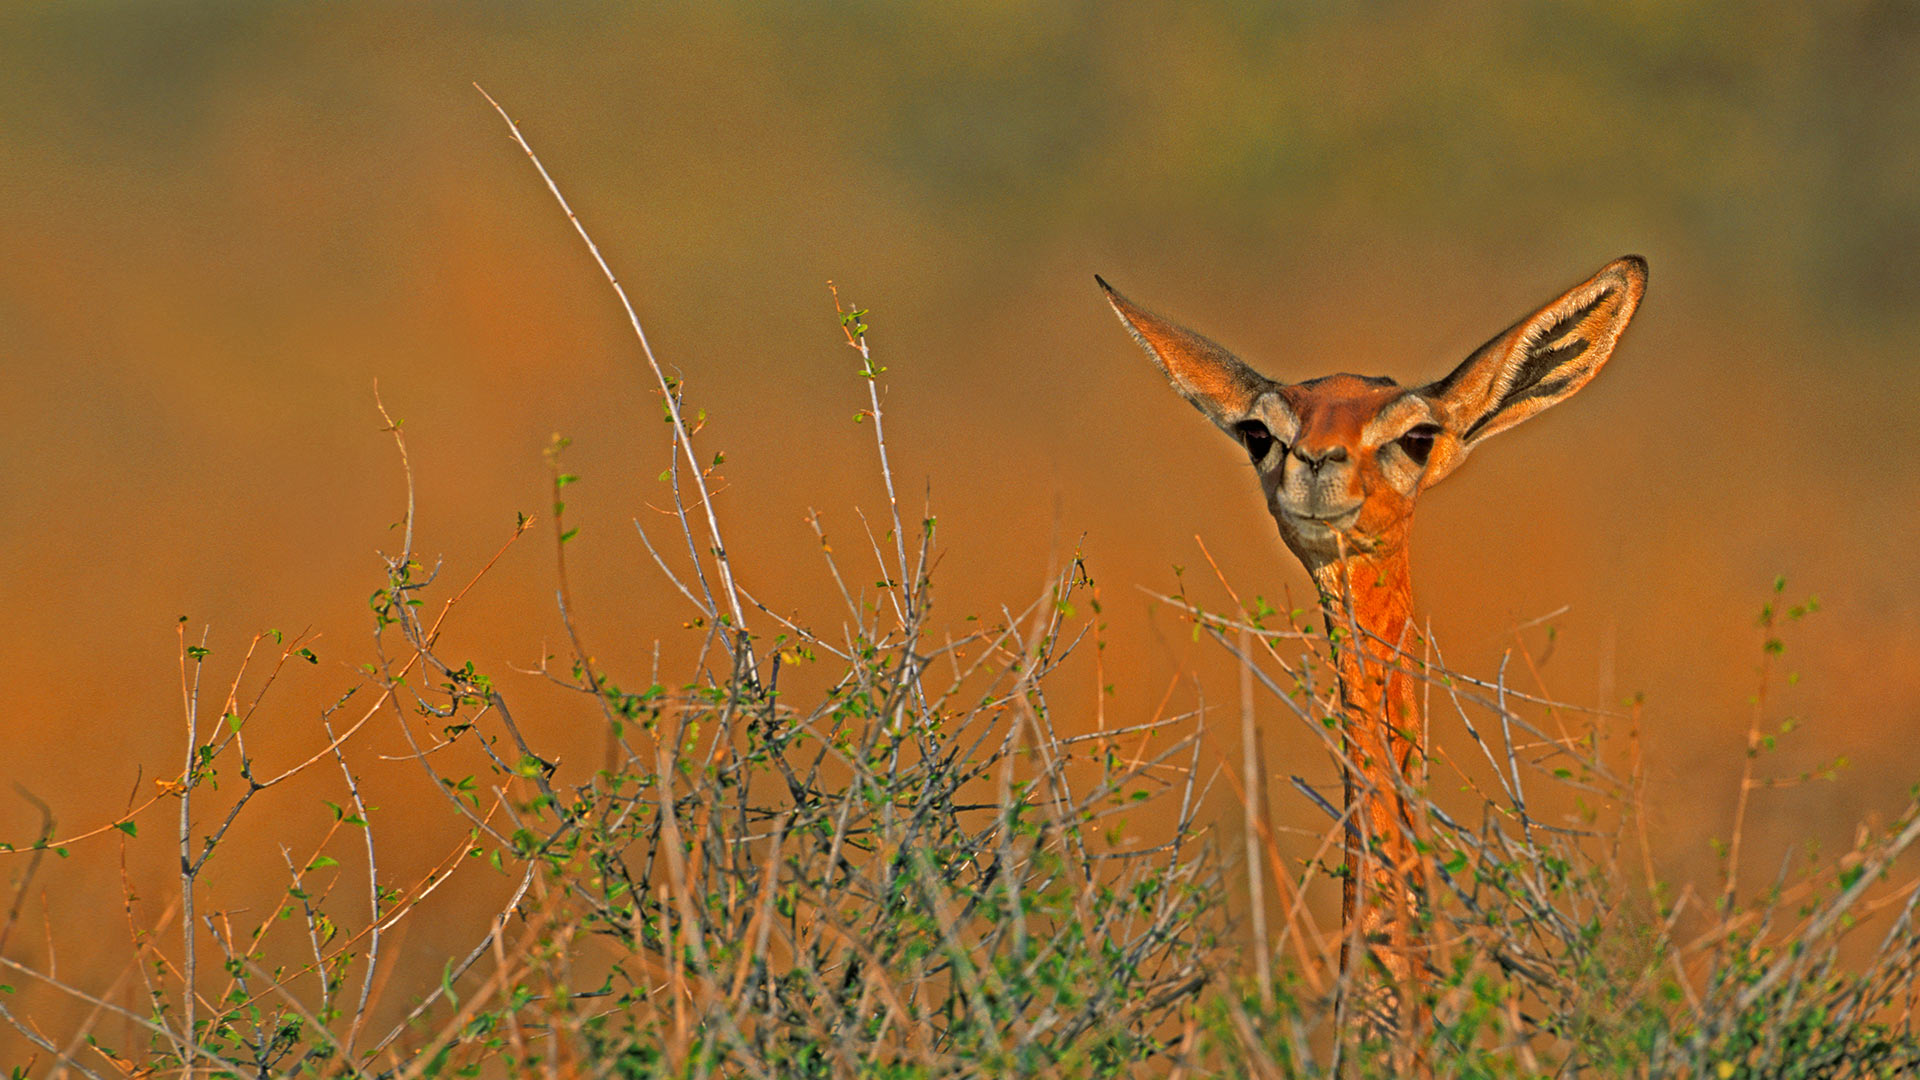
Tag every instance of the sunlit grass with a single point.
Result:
(906, 864)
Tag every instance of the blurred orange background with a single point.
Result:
(224, 224)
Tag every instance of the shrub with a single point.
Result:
(909, 870)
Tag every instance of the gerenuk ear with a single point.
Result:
(1212, 378)
(1540, 361)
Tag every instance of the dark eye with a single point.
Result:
(1255, 436)
(1418, 443)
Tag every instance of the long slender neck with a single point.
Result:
(1368, 603)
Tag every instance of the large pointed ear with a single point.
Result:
(1212, 378)
(1540, 361)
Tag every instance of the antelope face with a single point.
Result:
(1341, 458)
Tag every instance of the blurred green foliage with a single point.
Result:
(1777, 140)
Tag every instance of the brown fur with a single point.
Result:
(1344, 459)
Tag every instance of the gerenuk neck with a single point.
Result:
(1368, 603)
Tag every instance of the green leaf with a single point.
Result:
(446, 985)
(321, 862)
(127, 827)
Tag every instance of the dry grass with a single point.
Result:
(913, 872)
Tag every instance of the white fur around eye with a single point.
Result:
(1399, 467)
(1281, 423)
